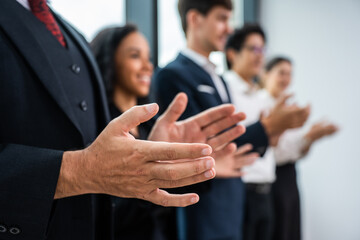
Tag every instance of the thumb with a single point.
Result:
(175, 109)
(134, 116)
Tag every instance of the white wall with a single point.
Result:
(323, 39)
(90, 16)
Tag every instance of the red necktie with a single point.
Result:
(41, 10)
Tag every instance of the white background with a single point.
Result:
(323, 39)
(91, 16)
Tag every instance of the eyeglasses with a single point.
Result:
(255, 50)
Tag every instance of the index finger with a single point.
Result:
(134, 116)
(213, 114)
(163, 198)
(175, 109)
(155, 151)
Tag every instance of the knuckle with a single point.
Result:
(198, 168)
(170, 153)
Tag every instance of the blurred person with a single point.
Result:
(293, 145)
(245, 56)
(61, 157)
(206, 27)
(123, 55)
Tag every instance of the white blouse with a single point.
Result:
(291, 142)
(247, 99)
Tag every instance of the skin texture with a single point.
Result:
(117, 164)
(228, 160)
(207, 33)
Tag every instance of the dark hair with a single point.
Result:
(104, 46)
(202, 6)
(275, 61)
(237, 39)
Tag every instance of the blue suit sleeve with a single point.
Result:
(255, 134)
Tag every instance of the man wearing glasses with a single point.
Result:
(245, 57)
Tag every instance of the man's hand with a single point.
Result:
(206, 127)
(230, 160)
(283, 117)
(117, 164)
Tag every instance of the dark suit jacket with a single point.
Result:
(37, 124)
(219, 213)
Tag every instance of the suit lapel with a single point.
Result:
(83, 46)
(227, 89)
(15, 21)
(200, 75)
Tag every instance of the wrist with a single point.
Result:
(309, 137)
(71, 180)
(266, 123)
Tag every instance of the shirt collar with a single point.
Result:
(240, 83)
(199, 59)
(24, 3)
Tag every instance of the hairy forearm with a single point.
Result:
(71, 181)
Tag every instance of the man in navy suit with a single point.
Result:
(219, 215)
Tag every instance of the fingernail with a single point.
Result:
(194, 200)
(206, 151)
(208, 174)
(151, 107)
(209, 164)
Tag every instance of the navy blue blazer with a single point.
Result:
(219, 213)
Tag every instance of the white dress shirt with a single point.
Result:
(292, 141)
(209, 67)
(247, 98)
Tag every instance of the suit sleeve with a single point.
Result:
(255, 134)
(28, 179)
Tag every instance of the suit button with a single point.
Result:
(3, 228)
(83, 106)
(14, 230)
(75, 68)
